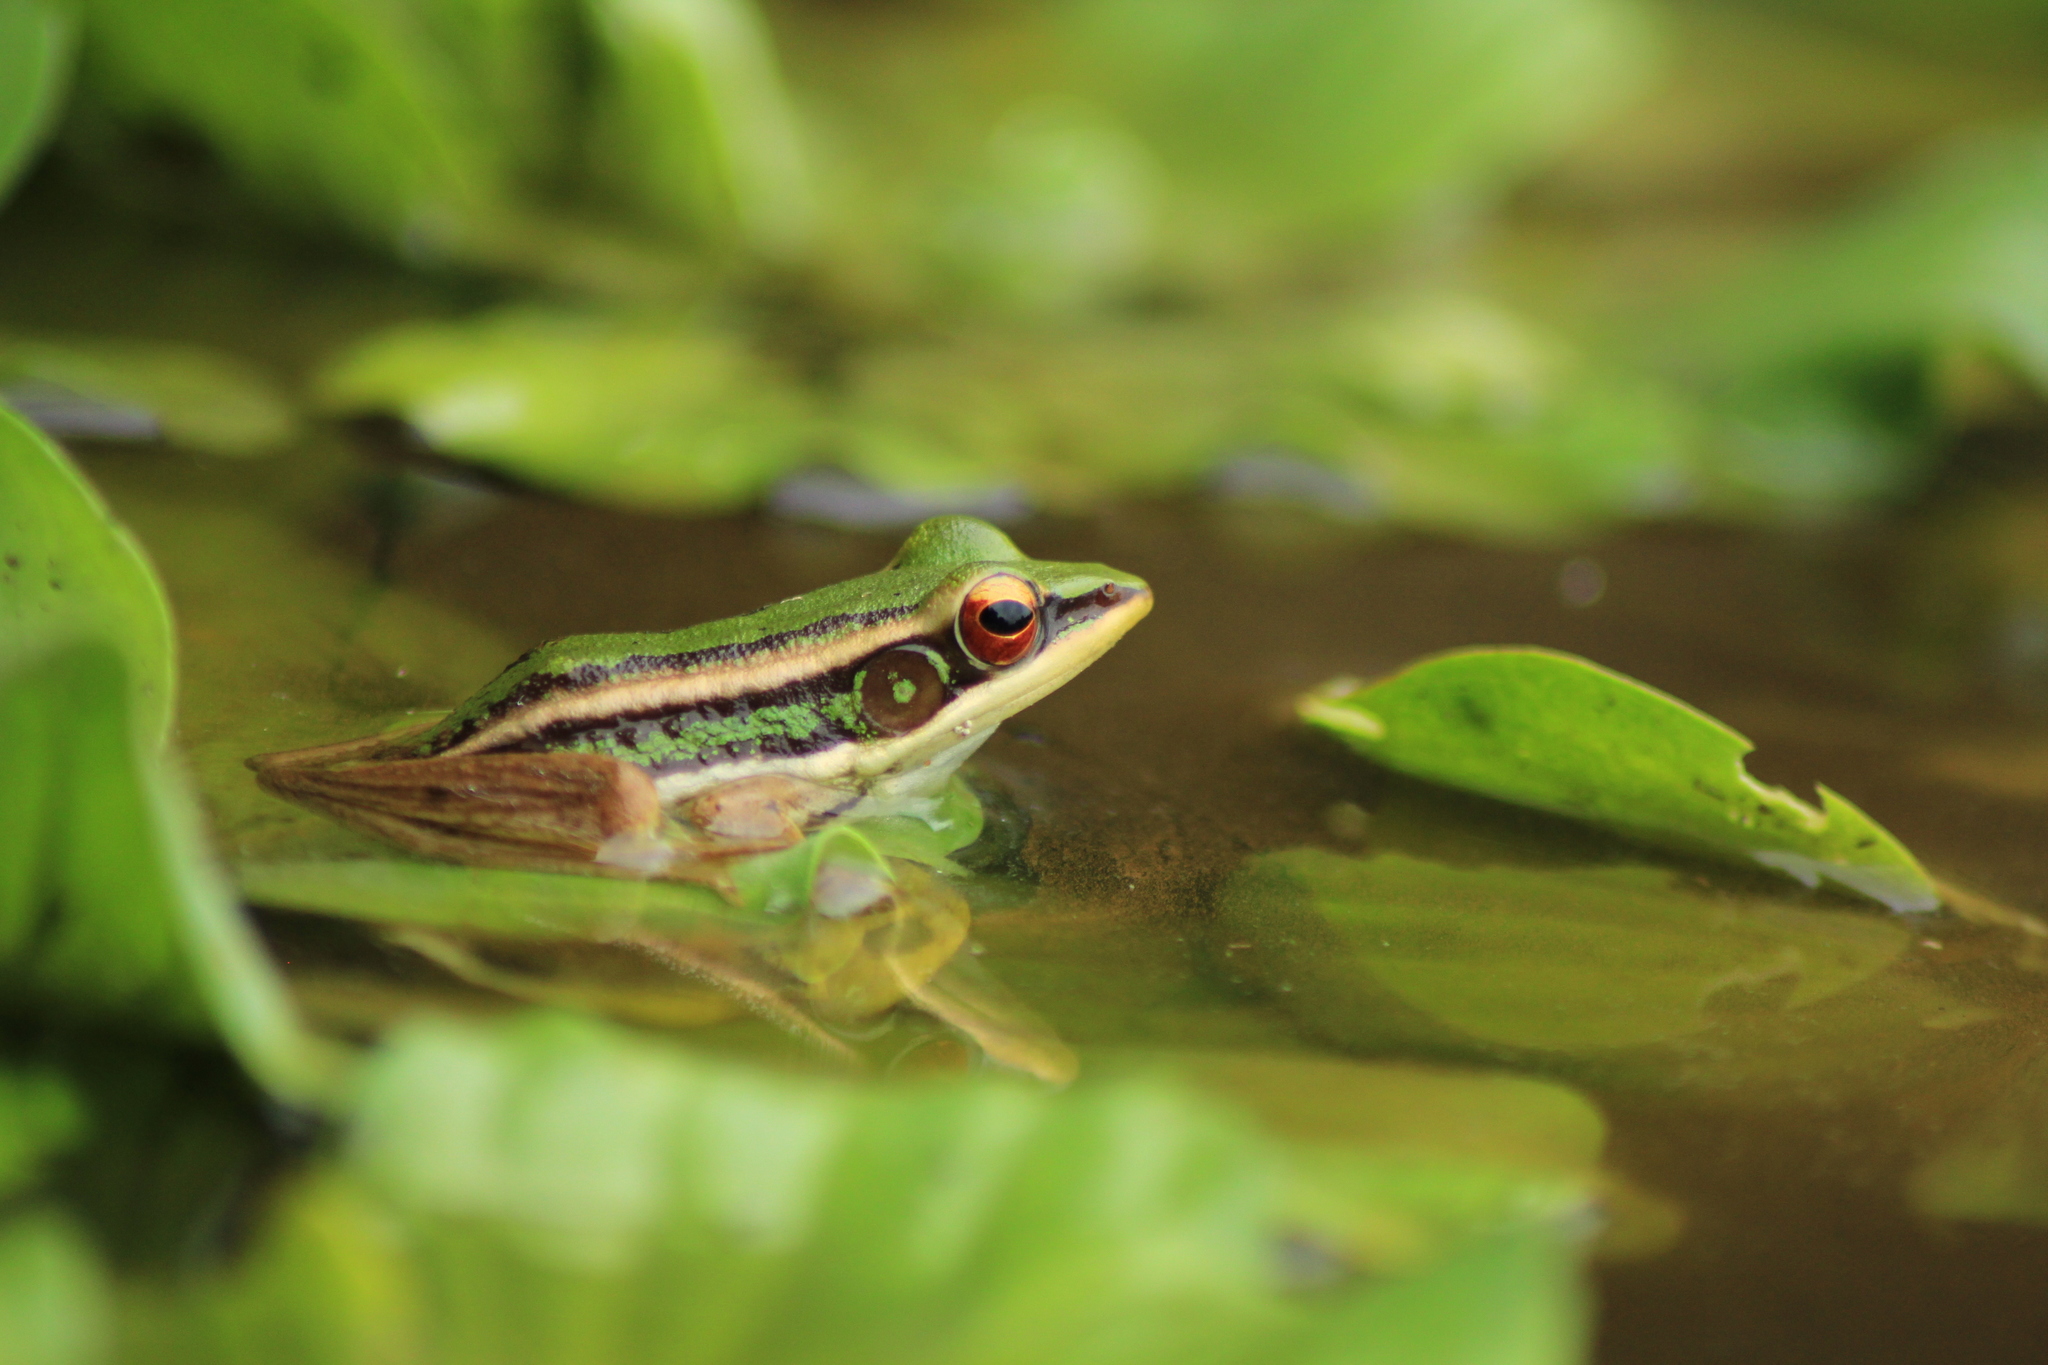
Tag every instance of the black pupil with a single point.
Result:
(1005, 618)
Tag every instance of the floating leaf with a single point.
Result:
(692, 124)
(556, 1192)
(646, 415)
(1582, 958)
(35, 66)
(1556, 732)
(192, 396)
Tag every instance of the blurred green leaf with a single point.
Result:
(1328, 113)
(1059, 210)
(196, 397)
(553, 1191)
(35, 66)
(68, 569)
(39, 1116)
(55, 1302)
(1562, 734)
(328, 109)
(1832, 353)
(1453, 413)
(510, 59)
(55, 1307)
(691, 124)
(1564, 960)
(109, 904)
(649, 415)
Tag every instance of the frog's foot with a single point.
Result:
(770, 811)
(552, 811)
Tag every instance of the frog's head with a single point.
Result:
(993, 631)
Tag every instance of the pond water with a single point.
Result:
(1800, 1155)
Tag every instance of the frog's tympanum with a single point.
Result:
(668, 754)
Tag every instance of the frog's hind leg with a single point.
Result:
(555, 811)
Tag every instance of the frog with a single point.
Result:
(668, 754)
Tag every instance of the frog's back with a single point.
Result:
(584, 665)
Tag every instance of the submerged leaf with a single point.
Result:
(555, 1192)
(1561, 734)
(1584, 958)
(1996, 1168)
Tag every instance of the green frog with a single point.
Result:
(669, 755)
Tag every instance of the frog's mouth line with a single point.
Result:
(965, 721)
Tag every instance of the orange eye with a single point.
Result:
(999, 620)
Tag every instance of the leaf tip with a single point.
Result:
(1331, 706)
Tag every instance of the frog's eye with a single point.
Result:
(999, 620)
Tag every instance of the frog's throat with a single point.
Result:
(919, 763)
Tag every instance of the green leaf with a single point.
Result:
(329, 109)
(1329, 113)
(1843, 355)
(554, 1191)
(692, 125)
(197, 397)
(507, 57)
(55, 1302)
(110, 906)
(36, 38)
(39, 1116)
(109, 902)
(1060, 210)
(1561, 734)
(644, 415)
(1564, 960)
(68, 569)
